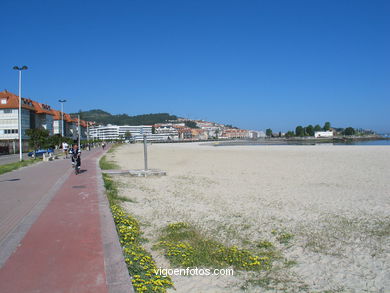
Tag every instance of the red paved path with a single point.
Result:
(63, 250)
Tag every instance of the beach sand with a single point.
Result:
(334, 200)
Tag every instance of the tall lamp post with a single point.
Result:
(62, 116)
(20, 109)
(79, 132)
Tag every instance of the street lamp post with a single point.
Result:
(79, 132)
(62, 116)
(20, 109)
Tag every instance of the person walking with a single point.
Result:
(65, 147)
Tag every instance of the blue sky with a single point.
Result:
(253, 64)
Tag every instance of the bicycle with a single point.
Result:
(76, 162)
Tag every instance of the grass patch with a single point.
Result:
(140, 263)
(112, 190)
(282, 236)
(184, 246)
(114, 147)
(16, 165)
(107, 165)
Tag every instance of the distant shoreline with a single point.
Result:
(283, 140)
(302, 140)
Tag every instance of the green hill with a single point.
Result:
(103, 117)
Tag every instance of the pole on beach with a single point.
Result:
(145, 152)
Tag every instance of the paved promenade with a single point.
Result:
(6, 159)
(56, 231)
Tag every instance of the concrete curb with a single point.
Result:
(117, 275)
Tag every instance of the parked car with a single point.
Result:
(39, 153)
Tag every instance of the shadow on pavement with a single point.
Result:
(10, 180)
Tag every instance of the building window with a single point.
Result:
(10, 131)
(7, 111)
(3, 101)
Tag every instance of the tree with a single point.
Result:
(153, 130)
(317, 128)
(349, 131)
(290, 134)
(38, 138)
(299, 131)
(55, 140)
(310, 130)
(128, 134)
(268, 132)
(327, 126)
(190, 124)
(217, 131)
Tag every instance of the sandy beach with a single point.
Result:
(333, 200)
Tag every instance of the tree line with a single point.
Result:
(309, 130)
(105, 118)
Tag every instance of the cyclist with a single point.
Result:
(75, 154)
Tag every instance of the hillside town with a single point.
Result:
(36, 115)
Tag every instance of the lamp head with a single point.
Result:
(24, 67)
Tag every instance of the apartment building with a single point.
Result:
(114, 132)
(43, 117)
(35, 115)
(235, 133)
(9, 109)
(167, 129)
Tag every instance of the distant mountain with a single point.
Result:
(103, 117)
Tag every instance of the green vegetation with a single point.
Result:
(191, 124)
(326, 126)
(290, 134)
(140, 263)
(184, 246)
(112, 190)
(268, 132)
(13, 166)
(282, 236)
(103, 117)
(107, 165)
(317, 128)
(128, 134)
(230, 126)
(309, 130)
(299, 131)
(39, 138)
(349, 131)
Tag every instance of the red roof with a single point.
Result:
(42, 108)
(11, 101)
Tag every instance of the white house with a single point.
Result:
(320, 134)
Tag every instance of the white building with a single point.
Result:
(116, 132)
(167, 130)
(256, 134)
(9, 109)
(319, 134)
